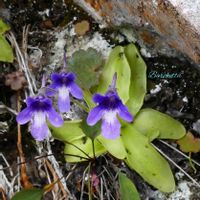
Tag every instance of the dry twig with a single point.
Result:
(2, 194)
(24, 177)
(56, 178)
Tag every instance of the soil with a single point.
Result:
(177, 96)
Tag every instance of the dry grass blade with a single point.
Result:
(8, 186)
(56, 178)
(106, 187)
(101, 190)
(108, 173)
(3, 106)
(7, 164)
(49, 179)
(23, 63)
(83, 182)
(57, 169)
(180, 152)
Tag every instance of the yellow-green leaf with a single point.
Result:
(3, 27)
(153, 135)
(148, 121)
(6, 53)
(29, 194)
(146, 161)
(137, 89)
(114, 146)
(117, 62)
(70, 131)
(88, 98)
(128, 190)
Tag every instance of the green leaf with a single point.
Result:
(70, 131)
(189, 143)
(85, 144)
(128, 190)
(86, 64)
(117, 62)
(3, 27)
(152, 135)
(6, 54)
(137, 89)
(91, 131)
(29, 194)
(149, 120)
(115, 147)
(146, 161)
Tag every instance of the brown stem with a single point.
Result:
(2, 194)
(24, 177)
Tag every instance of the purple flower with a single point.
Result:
(38, 109)
(64, 84)
(108, 108)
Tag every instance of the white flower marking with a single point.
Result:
(39, 118)
(110, 116)
(63, 92)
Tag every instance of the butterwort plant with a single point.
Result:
(122, 97)
(115, 97)
(109, 107)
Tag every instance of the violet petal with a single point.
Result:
(70, 76)
(98, 98)
(24, 116)
(51, 90)
(54, 118)
(76, 91)
(55, 77)
(94, 115)
(124, 113)
(29, 101)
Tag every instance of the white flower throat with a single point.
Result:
(110, 116)
(39, 119)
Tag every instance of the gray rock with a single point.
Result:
(162, 26)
